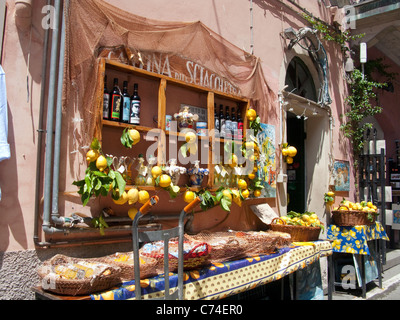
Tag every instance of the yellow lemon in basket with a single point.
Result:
(132, 212)
(242, 184)
(92, 155)
(370, 204)
(101, 163)
(190, 137)
(143, 196)
(156, 171)
(165, 181)
(133, 196)
(251, 114)
(188, 196)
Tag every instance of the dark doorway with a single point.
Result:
(296, 187)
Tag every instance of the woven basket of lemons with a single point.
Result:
(355, 214)
(302, 227)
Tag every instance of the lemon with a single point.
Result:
(257, 193)
(227, 194)
(133, 196)
(234, 161)
(292, 152)
(255, 169)
(284, 152)
(192, 148)
(132, 212)
(156, 172)
(122, 200)
(330, 194)
(251, 145)
(252, 176)
(236, 198)
(289, 160)
(135, 136)
(370, 204)
(190, 137)
(188, 196)
(245, 193)
(251, 114)
(143, 196)
(92, 155)
(101, 163)
(242, 184)
(165, 181)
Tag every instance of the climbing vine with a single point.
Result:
(331, 33)
(360, 106)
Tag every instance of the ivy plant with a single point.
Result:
(360, 106)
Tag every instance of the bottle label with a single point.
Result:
(135, 112)
(216, 129)
(240, 130)
(234, 129)
(126, 110)
(106, 106)
(116, 107)
(222, 128)
(228, 129)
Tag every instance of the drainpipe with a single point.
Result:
(55, 216)
(40, 131)
(47, 226)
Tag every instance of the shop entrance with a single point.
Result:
(299, 82)
(296, 188)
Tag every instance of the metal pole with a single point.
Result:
(50, 119)
(58, 128)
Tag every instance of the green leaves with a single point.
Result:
(360, 107)
(95, 183)
(208, 200)
(100, 223)
(126, 139)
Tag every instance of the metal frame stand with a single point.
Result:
(165, 236)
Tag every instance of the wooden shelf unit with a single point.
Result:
(164, 82)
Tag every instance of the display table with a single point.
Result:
(355, 240)
(222, 280)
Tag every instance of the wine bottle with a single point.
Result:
(216, 121)
(135, 106)
(116, 100)
(240, 125)
(106, 101)
(126, 109)
(228, 124)
(221, 122)
(234, 125)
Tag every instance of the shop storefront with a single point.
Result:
(227, 153)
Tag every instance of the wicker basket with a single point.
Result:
(196, 257)
(352, 218)
(298, 233)
(105, 277)
(148, 265)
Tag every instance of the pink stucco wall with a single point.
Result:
(229, 18)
